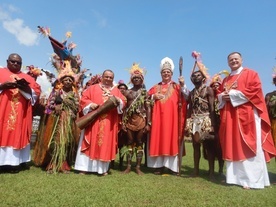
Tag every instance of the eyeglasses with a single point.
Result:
(15, 61)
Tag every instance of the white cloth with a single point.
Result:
(170, 162)
(185, 91)
(252, 172)
(14, 157)
(84, 163)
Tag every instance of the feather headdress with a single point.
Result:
(65, 63)
(217, 78)
(198, 64)
(45, 31)
(93, 80)
(136, 70)
(33, 71)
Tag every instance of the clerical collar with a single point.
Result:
(235, 72)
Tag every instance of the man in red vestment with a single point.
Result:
(163, 141)
(244, 132)
(18, 92)
(98, 142)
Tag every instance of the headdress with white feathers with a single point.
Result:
(167, 63)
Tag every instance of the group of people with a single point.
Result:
(228, 117)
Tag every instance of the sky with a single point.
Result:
(113, 34)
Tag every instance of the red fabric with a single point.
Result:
(100, 141)
(15, 112)
(164, 130)
(237, 129)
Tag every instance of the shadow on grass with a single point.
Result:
(203, 174)
(272, 177)
(14, 169)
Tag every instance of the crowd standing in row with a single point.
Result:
(82, 129)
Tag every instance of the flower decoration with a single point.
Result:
(201, 67)
(68, 34)
(196, 55)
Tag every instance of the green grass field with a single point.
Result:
(34, 187)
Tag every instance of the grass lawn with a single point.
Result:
(35, 187)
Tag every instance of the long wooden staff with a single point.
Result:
(179, 120)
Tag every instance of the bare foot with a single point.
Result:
(138, 171)
(127, 170)
(50, 171)
(104, 174)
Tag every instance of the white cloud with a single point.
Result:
(102, 21)
(13, 8)
(42, 80)
(45, 84)
(16, 27)
(3, 15)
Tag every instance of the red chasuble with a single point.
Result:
(237, 128)
(15, 112)
(164, 130)
(100, 139)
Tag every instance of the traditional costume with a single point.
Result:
(200, 117)
(245, 130)
(58, 135)
(270, 99)
(163, 141)
(136, 117)
(16, 119)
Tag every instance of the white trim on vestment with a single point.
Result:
(252, 172)
(14, 157)
(170, 162)
(84, 163)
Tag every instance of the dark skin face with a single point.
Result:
(14, 63)
(215, 86)
(137, 81)
(67, 83)
(197, 78)
(122, 88)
